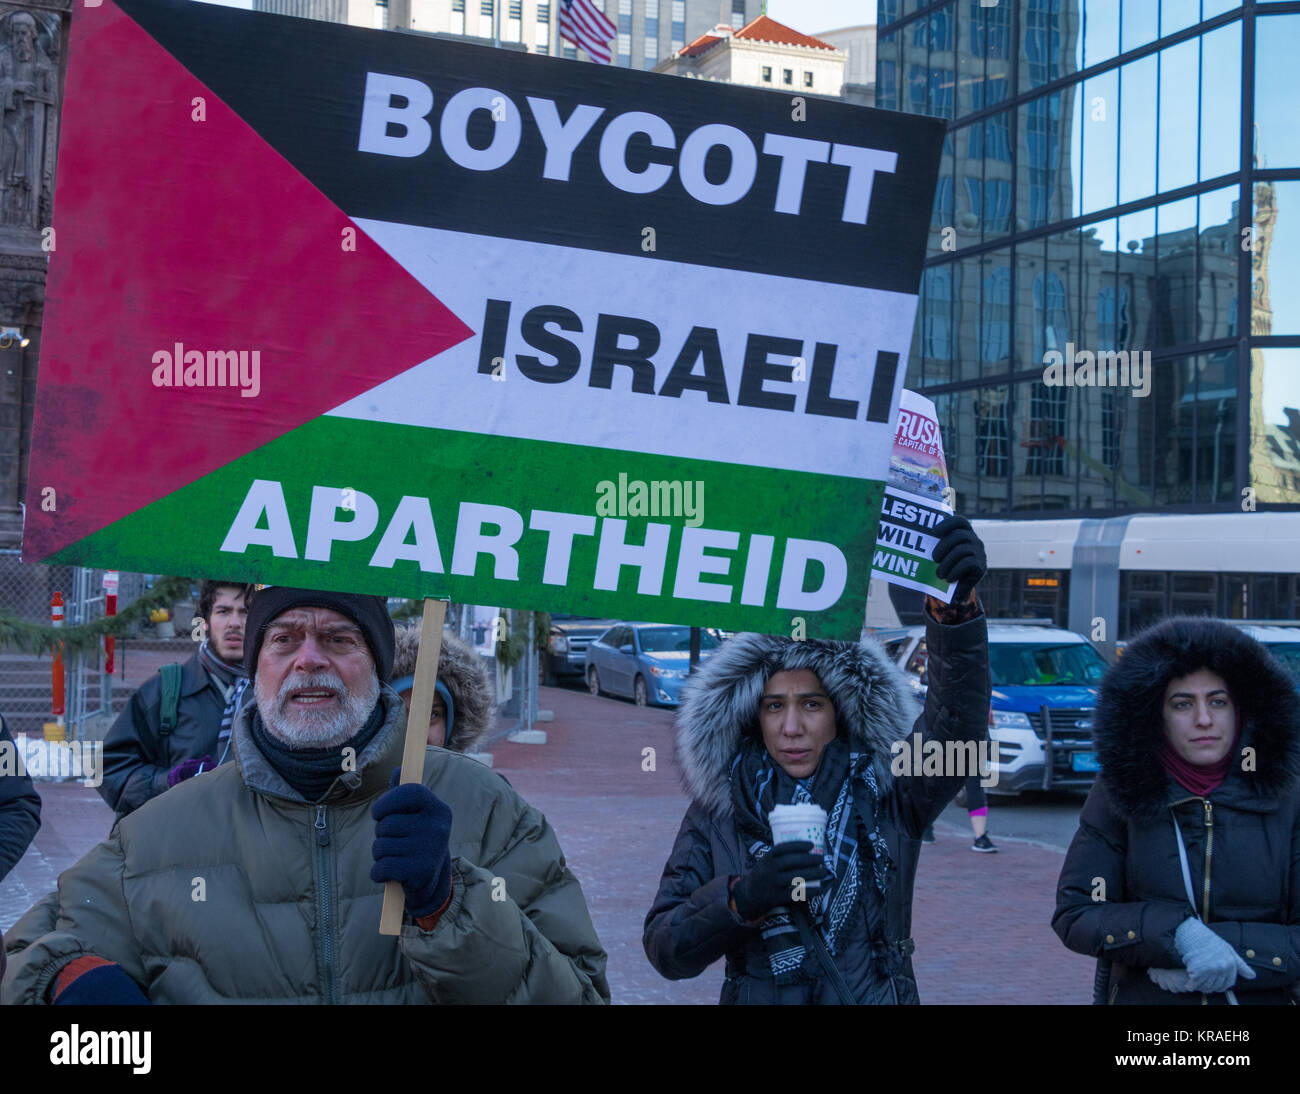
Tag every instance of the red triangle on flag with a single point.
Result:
(177, 224)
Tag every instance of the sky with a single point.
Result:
(808, 16)
(811, 16)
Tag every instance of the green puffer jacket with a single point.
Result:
(231, 888)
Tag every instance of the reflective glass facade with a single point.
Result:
(1118, 205)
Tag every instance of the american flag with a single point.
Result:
(583, 25)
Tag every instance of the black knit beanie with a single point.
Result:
(370, 613)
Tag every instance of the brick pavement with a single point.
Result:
(980, 921)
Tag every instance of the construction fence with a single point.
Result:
(94, 696)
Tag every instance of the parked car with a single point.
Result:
(646, 662)
(565, 657)
(1045, 682)
(1280, 637)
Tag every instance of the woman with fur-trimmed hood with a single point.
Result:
(464, 711)
(768, 721)
(1184, 875)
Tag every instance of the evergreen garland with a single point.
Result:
(40, 638)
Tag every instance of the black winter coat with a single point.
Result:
(20, 805)
(138, 756)
(20, 810)
(691, 923)
(1121, 894)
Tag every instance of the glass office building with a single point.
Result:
(1119, 193)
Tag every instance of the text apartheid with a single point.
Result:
(497, 531)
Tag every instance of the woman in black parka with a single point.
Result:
(770, 720)
(1198, 734)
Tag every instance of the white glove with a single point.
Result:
(1212, 964)
(1171, 979)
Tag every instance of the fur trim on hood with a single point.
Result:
(1128, 726)
(874, 706)
(461, 669)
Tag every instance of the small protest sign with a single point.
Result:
(914, 501)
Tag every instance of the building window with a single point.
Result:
(887, 86)
(381, 15)
(1042, 141)
(1043, 41)
(767, 74)
(1045, 431)
(807, 79)
(486, 19)
(787, 76)
(942, 215)
(625, 50)
(737, 13)
(997, 205)
(651, 47)
(679, 23)
(995, 330)
(570, 51)
(458, 16)
(991, 432)
(1051, 317)
(937, 289)
(543, 36)
(515, 21)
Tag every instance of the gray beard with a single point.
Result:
(308, 729)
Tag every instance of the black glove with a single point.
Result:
(960, 555)
(770, 884)
(411, 845)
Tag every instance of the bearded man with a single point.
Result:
(261, 881)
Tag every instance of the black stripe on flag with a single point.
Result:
(882, 386)
(300, 83)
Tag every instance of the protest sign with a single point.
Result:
(381, 312)
(915, 501)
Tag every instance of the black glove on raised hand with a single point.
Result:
(959, 554)
(770, 884)
(411, 845)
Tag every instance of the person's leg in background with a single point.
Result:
(977, 806)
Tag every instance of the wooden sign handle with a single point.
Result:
(417, 737)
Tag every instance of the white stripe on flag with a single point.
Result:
(580, 37)
(586, 20)
(589, 28)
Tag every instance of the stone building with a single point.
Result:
(33, 40)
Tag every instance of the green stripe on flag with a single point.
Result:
(358, 497)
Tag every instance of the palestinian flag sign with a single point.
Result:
(375, 311)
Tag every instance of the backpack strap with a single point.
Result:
(171, 697)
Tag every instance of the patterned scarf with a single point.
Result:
(844, 784)
(232, 684)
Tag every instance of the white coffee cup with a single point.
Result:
(791, 823)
